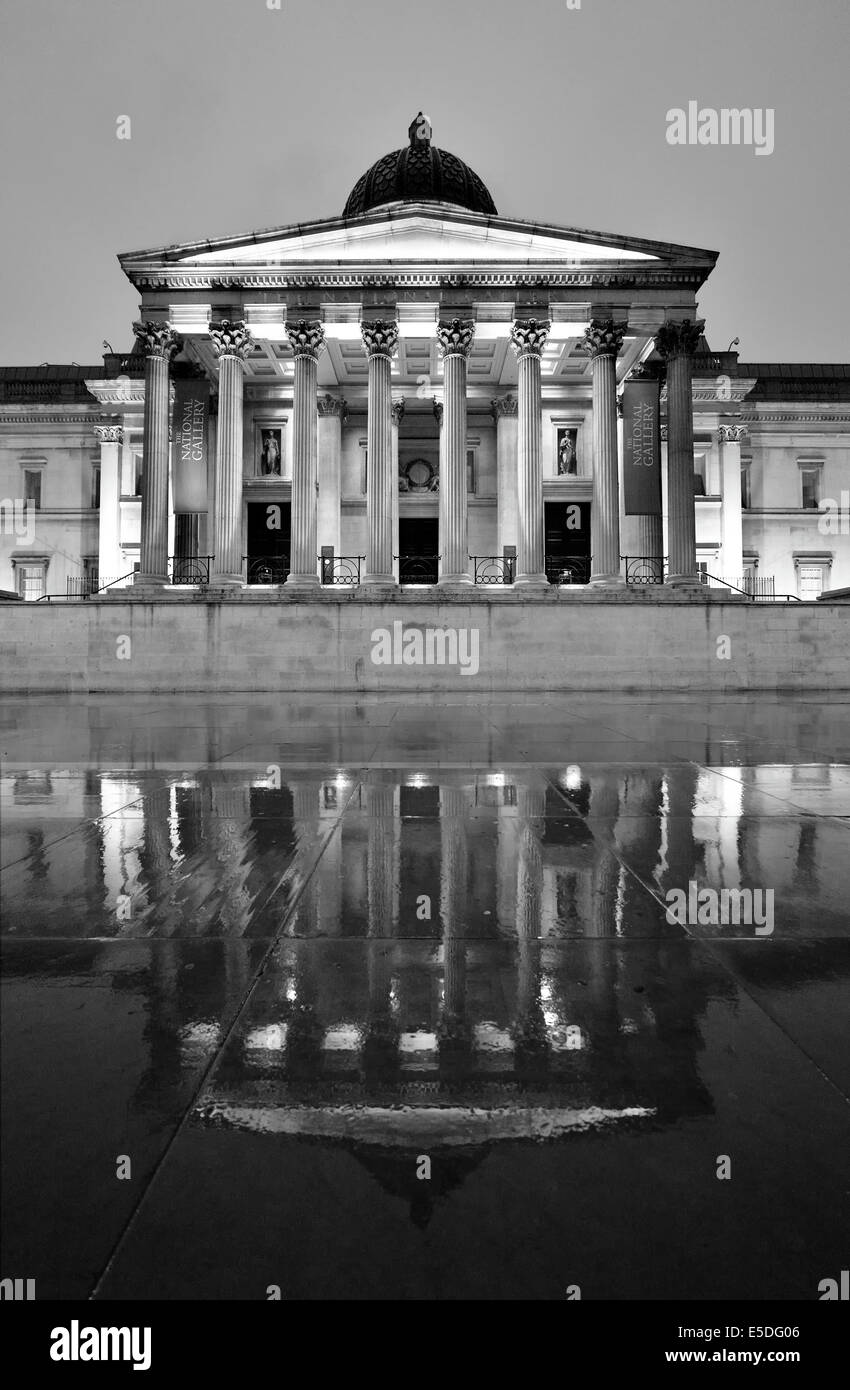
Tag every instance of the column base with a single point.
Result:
(455, 581)
(531, 581)
(379, 581)
(685, 581)
(306, 582)
(226, 581)
(607, 581)
(150, 581)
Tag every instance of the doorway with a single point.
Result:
(567, 542)
(269, 542)
(418, 549)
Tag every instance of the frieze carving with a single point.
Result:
(231, 338)
(604, 338)
(733, 434)
(306, 338)
(455, 337)
(679, 339)
(380, 337)
(331, 405)
(109, 434)
(157, 339)
(528, 336)
(504, 405)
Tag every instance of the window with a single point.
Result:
(32, 486)
(31, 580)
(95, 486)
(746, 484)
(810, 485)
(470, 470)
(137, 475)
(810, 581)
(699, 484)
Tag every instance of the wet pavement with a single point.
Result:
(384, 998)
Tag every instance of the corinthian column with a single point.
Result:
(505, 415)
(331, 415)
(159, 343)
(455, 339)
(731, 523)
(307, 340)
(398, 416)
(603, 340)
(380, 339)
(231, 343)
(677, 342)
(528, 338)
(109, 563)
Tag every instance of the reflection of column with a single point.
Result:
(602, 818)
(603, 340)
(529, 1024)
(528, 338)
(454, 871)
(381, 1042)
(307, 340)
(455, 339)
(731, 525)
(305, 820)
(380, 339)
(159, 344)
(109, 561)
(505, 414)
(231, 342)
(398, 416)
(677, 342)
(331, 414)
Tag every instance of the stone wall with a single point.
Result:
(339, 642)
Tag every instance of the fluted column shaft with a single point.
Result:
(677, 342)
(380, 339)
(398, 416)
(109, 529)
(159, 344)
(603, 340)
(505, 413)
(528, 337)
(455, 339)
(731, 523)
(231, 342)
(307, 341)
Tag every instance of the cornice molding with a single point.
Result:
(463, 277)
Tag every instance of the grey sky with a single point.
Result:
(245, 117)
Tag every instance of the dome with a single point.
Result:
(419, 173)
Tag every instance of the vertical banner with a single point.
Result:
(642, 448)
(189, 437)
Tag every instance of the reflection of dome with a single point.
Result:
(419, 173)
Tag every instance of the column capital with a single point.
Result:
(679, 339)
(455, 337)
(504, 405)
(397, 411)
(604, 337)
(528, 336)
(306, 338)
(663, 433)
(157, 339)
(331, 405)
(647, 371)
(732, 434)
(109, 434)
(380, 337)
(231, 339)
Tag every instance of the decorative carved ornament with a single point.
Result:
(380, 338)
(679, 339)
(438, 412)
(231, 339)
(604, 337)
(110, 434)
(397, 412)
(733, 434)
(455, 337)
(663, 434)
(528, 336)
(331, 405)
(157, 339)
(504, 405)
(306, 338)
(418, 475)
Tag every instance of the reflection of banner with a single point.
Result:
(191, 415)
(642, 448)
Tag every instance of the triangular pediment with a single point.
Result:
(405, 235)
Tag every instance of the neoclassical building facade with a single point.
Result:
(421, 391)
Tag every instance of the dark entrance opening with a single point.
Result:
(269, 542)
(418, 549)
(567, 542)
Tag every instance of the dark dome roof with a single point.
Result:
(419, 173)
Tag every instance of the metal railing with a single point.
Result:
(82, 587)
(418, 569)
(190, 569)
(341, 569)
(493, 569)
(266, 569)
(645, 569)
(567, 569)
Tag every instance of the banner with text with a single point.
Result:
(189, 434)
(642, 448)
